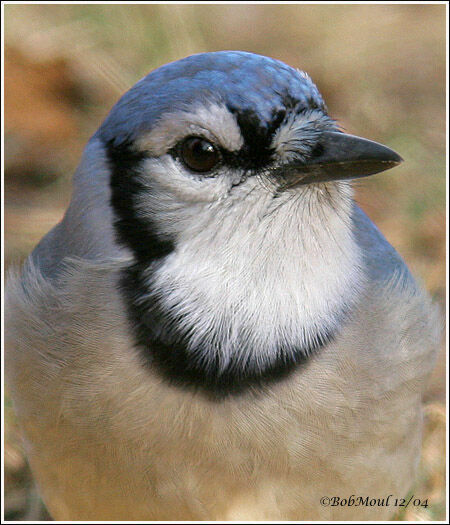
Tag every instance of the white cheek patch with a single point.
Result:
(167, 174)
(173, 198)
(213, 121)
(248, 278)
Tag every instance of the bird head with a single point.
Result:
(224, 178)
(201, 133)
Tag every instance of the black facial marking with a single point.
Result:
(257, 151)
(166, 349)
(164, 346)
(132, 230)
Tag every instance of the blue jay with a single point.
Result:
(215, 330)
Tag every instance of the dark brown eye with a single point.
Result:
(198, 154)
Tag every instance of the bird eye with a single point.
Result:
(199, 154)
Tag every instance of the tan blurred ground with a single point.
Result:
(381, 69)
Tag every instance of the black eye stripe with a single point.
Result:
(257, 151)
(241, 159)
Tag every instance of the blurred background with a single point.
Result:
(380, 68)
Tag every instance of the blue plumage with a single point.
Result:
(244, 82)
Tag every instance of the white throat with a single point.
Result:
(252, 274)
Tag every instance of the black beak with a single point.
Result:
(339, 156)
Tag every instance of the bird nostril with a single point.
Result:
(317, 151)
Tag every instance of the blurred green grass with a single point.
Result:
(381, 69)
